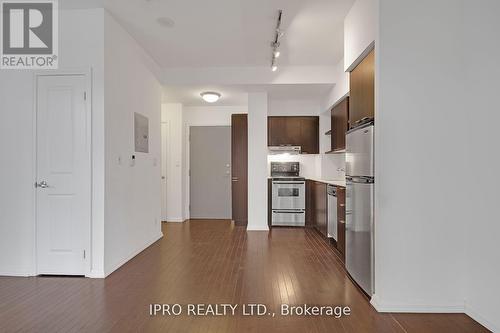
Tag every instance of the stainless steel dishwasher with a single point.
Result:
(332, 211)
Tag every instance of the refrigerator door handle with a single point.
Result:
(359, 180)
(362, 120)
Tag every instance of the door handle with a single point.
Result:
(42, 184)
(234, 179)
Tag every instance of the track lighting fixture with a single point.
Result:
(276, 43)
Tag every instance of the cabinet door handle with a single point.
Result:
(342, 221)
(342, 205)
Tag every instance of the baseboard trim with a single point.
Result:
(257, 228)
(417, 308)
(133, 254)
(480, 319)
(96, 274)
(177, 220)
(16, 273)
(425, 308)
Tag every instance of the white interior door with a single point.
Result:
(63, 175)
(164, 154)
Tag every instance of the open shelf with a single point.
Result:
(338, 151)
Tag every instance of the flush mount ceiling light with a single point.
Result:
(210, 96)
(275, 44)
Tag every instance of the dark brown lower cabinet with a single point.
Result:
(309, 204)
(341, 222)
(317, 212)
(239, 169)
(320, 208)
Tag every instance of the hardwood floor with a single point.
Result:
(210, 262)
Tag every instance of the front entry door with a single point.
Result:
(63, 175)
(239, 161)
(210, 170)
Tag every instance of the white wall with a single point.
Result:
(340, 89)
(420, 146)
(247, 75)
(481, 158)
(332, 165)
(437, 245)
(257, 161)
(211, 115)
(360, 26)
(172, 113)
(132, 202)
(81, 44)
(294, 107)
(202, 116)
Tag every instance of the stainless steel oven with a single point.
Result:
(289, 218)
(288, 195)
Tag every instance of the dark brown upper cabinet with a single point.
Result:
(340, 124)
(309, 135)
(276, 131)
(294, 131)
(362, 91)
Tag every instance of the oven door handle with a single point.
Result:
(289, 183)
(288, 212)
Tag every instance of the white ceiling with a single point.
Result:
(232, 95)
(217, 33)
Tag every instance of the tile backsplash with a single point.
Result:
(324, 166)
(333, 166)
(309, 164)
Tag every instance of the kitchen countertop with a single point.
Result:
(340, 183)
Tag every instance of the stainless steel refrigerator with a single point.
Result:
(360, 182)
